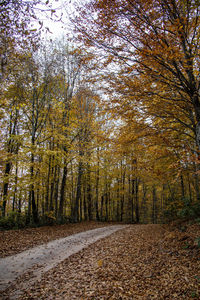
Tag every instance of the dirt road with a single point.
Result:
(38, 260)
(140, 262)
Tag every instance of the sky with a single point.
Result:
(61, 24)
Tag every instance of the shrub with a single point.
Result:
(48, 219)
(189, 210)
(14, 220)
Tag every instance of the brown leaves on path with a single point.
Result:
(15, 241)
(139, 262)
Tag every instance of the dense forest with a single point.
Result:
(105, 125)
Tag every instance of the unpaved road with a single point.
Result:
(40, 259)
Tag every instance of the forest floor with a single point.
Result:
(15, 241)
(137, 262)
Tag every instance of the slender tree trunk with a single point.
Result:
(123, 174)
(32, 191)
(84, 201)
(89, 196)
(43, 204)
(102, 204)
(97, 188)
(106, 204)
(12, 148)
(137, 215)
(38, 199)
(154, 206)
(196, 180)
(144, 200)
(19, 202)
(129, 206)
(75, 216)
(57, 177)
(52, 186)
(15, 190)
(182, 187)
(5, 187)
(62, 192)
(47, 186)
(28, 218)
(196, 102)
(109, 204)
(189, 188)
(81, 209)
(118, 199)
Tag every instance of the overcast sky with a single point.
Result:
(61, 26)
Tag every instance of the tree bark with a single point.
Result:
(182, 187)
(34, 207)
(89, 196)
(137, 215)
(75, 216)
(154, 206)
(5, 187)
(97, 188)
(62, 192)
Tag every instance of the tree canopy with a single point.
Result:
(105, 126)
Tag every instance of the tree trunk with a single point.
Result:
(89, 196)
(12, 148)
(5, 187)
(19, 202)
(32, 192)
(137, 216)
(106, 204)
(154, 206)
(53, 181)
(15, 190)
(144, 202)
(118, 199)
(189, 188)
(182, 187)
(85, 202)
(196, 181)
(75, 215)
(123, 174)
(81, 209)
(47, 186)
(57, 177)
(102, 203)
(62, 192)
(97, 188)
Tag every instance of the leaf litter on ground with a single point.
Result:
(15, 241)
(139, 262)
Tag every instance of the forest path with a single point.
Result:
(38, 260)
(140, 262)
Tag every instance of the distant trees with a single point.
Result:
(48, 127)
(108, 138)
(151, 52)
